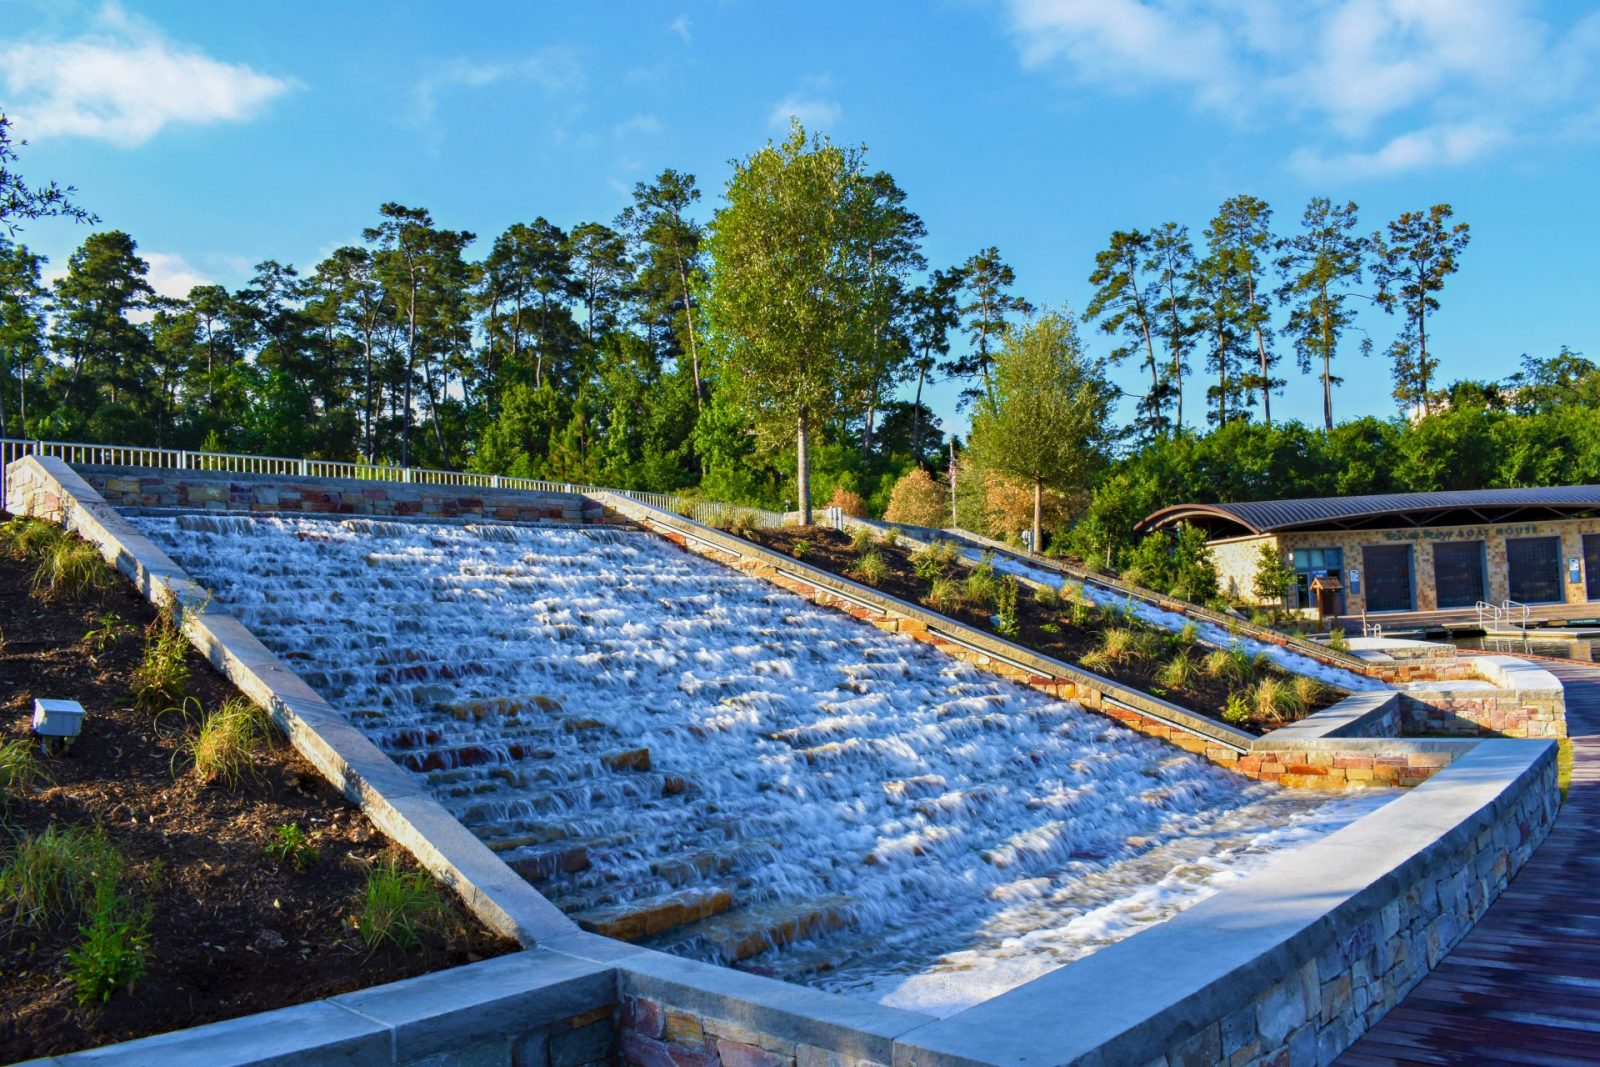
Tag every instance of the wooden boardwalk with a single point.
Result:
(1524, 986)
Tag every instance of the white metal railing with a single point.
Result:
(1516, 614)
(1488, 615)
(708, 512)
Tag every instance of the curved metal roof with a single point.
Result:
(1454, 508)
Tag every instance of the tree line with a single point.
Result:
(777, 354)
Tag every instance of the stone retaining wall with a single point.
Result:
(226, 491)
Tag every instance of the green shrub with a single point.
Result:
(890, 537)
(1046, 597)
(1233, 665)
(801, 548)
(1237, 710)
(1005, 606)
(1337, 640)
(872, 568)
(1118, 645)
(24, 538)
(1178, 672)
(116, 939)
(70, 568)
(50, 876)
(743, 524)
(396, 906)
(228, 743)
(861, 539)
(935, 560)
(944, 595)
(163, 670)
(1276, 700)
(1049, 628)
(20, 769)
(290, 844)
(1308, 690)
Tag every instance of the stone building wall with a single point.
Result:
(1236, 557)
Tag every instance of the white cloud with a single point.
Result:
(172, 275)
(683, 28)
(124, 83)
(813, 112)
(1380, 85)
(555, 70)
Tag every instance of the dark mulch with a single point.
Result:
(832, 551)
(234, 931)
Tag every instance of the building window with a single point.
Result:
(1458, 573)
(1591, 566)
(1312, 563)
(1388, 577)
(1533, 569)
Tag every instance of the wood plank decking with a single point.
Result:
(1524, 986)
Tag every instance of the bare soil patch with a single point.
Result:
(234, 930)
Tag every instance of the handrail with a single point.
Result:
(77, 453)
(1511, 609)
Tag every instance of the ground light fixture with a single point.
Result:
(56, 723)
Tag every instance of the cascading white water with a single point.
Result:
(679, 753)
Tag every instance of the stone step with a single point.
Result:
(753, 930)
(538, 863)
(634, 920)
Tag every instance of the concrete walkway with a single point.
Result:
(1524, 986)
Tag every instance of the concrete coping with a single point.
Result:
(396, 801)
(395, 1024)
(1133, 1000)
(253, 477)
(960, 633)
(1508, 672)
(1354, 716)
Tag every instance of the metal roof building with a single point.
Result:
(1411, 552)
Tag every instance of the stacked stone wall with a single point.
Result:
(213, 491)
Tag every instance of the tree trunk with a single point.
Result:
(916, 419)
(1327, 391)
(953, 522)
(1266, 381)
(1038, 509)
(803, 467)
(688, 317)
(411, 370)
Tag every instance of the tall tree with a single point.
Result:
(667, 248)
(19, 201)
(989, 305)
(22, 307)
(1218, 319)
(1172, 263)
(1047, 420)
(1318, 266)
(1240, 239)
(932, 311)
(786, 298)
(891, 236)
(1411, 263)
(1126, 300)
(603, 272)
(423, 272)
(105, 283)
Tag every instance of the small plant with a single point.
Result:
(116, 939)
(25, 538)
(1005, 606)
(801, 548)
(743, 524)
(1233, 665)
(397, 905)
(872, 568)
(1337, 640)
(1118, 645)
(163, 670)
(290, 844)
(1187, 636)
(1046, 597)
(1237, 710)
(108, 632)
(70, 568)
(19, 769)
(1308, 691)
(890, 537)
(983, 585)
(1049, 627)
(1179, 671)
(228, 742)
(50, 877)
(934, 561)
(944, 595)
(1275, 701)
(861, 539)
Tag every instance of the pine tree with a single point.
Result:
(1318, 267)
(1411, 263)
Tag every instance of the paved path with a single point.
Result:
(1524, 986)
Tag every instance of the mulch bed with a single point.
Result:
(233, 930)
(832, 551)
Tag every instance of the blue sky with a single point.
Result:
(219, 135)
